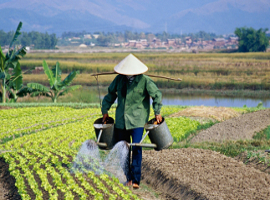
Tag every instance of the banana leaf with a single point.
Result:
(2, 61)
(8, 76)
(16, 35)
(11, 93)
(14, 56)
(17, 74)
(38, 87)
(67, 81)
(2, 75)
(57, 73)
(49, 73)
(35, 93)
(72, 88)
(24, 91)
(18, 54)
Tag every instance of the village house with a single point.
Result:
(131, 43)
(171, 42)
(156, 42)
(219, 42)
(144, 42)
(117, 45)
(96, 36)
(188, 40)
(233, 40)
(87, 36)
(209, 47)
(138, 45)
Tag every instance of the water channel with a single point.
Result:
(213, 101)
(199, 100)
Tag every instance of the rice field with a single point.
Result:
(202, 71)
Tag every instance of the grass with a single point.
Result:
(82, 95)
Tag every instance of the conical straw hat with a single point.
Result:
(130, 65)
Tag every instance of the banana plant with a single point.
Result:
(57, 87)
(11, 83)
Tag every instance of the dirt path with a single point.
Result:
(202, 174)
(242, 127)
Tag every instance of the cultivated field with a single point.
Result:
(39, 146)
(202, 71)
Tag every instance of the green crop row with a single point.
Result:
(41, 161)
(27, 120)
(27, 165)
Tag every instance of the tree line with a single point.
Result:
(105, 39)
(33, 39)
(251, 40)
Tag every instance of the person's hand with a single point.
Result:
(159, 118)
(105, 117)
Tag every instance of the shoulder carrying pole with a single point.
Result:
(156, 76)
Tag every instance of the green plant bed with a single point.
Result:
(260, 141)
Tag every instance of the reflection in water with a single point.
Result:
(212, 101)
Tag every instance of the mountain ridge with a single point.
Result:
(218, 16)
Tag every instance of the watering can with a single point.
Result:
(159, 135)
(105, 133)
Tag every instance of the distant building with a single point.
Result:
(209, 47)
(138, 45)
(96, 36)
(171, 42)
(131, 43)
(188, 40)
(117, 45)
(87, 36)
(157, 42)
(233, 39)
(143, 42)
(219, 42)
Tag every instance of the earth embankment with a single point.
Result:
(239, 128)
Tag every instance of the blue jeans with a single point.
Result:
(133, 170)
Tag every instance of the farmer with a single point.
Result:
(133, 91)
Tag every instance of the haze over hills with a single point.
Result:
(57, 16)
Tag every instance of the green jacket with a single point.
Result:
(133, 110)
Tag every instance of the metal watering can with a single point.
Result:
(105, 133)
(159, 135)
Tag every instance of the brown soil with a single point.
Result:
(240, 128)
(5, 107)
(214, 113)
(202, 174)
(7, 186)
